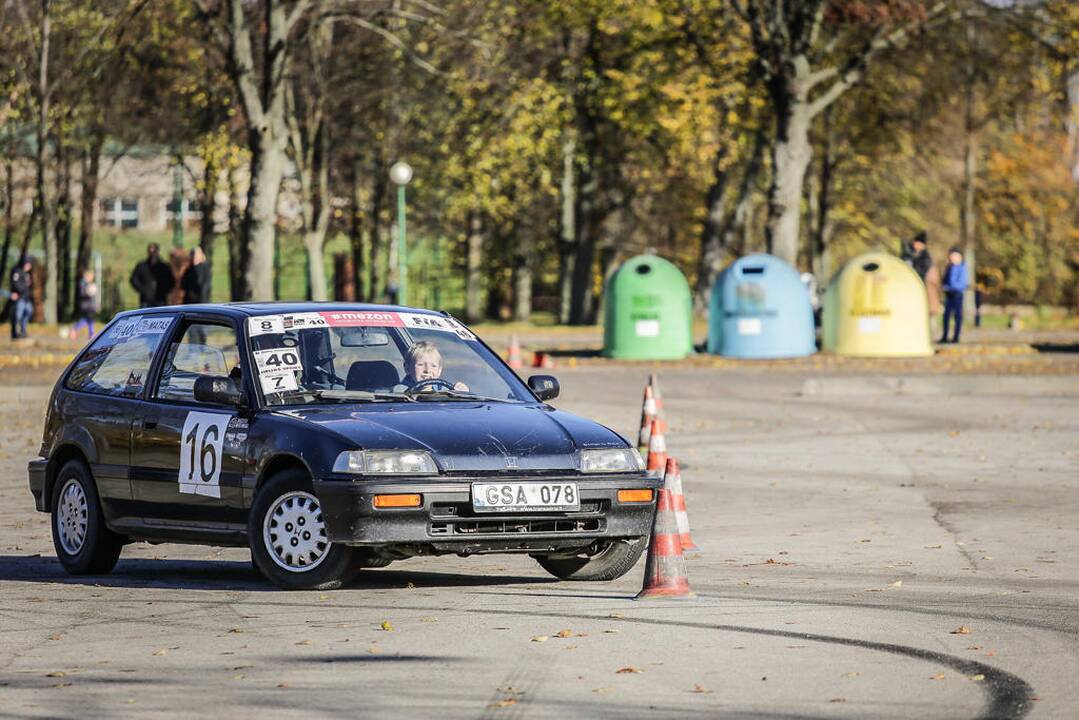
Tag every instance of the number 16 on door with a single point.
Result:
(200, 453)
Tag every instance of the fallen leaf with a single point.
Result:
(57, 636)
(564, 633)
(838, 700)
(897, 583)
(851, 674)
(373, 650)
(282, 685)
(304, 642)
(938, 676)
(961, 630)
(410, 586)
(503, 703)
(700, 689)
(540, 638)
(58, 673)
(602, 690)
(387, 626)
(933, 547)
(629, 669)
(160, 652)
(974, 647)
(235, 631)
(977, 678)
(428, 619)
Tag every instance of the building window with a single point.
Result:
(120, 213)
(191, 209)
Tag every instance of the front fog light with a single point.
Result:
(386, 462)
(610, 460)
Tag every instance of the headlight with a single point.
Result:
(611, 460)
(385, 462)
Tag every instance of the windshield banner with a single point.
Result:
(277, 324)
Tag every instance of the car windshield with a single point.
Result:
(343, 356)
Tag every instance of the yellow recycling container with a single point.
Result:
(876, 306)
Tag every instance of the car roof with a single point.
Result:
(254, 309)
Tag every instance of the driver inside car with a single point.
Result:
(424, 362)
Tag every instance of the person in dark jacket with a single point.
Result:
(955, 281)
(920, 258)
(152, 279)
(22, 304)
(196, 279)
(87, 304)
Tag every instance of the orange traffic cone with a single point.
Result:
(514, 360)
(648, 414)
(657, 450)
(653, 382)
(665, 568)
(542, 360)
(672, 480)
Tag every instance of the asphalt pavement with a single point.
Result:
(870, 546)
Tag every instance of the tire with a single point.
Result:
(84, 545)
(362, 560)
(610, 563)
(288, 540)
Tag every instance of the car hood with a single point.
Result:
(464, 437)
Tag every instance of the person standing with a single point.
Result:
(152, 278)
(919, 257)
(955, 282)
(196, 278)
(87, 304)
(23, 306)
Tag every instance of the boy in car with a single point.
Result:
(424, 362)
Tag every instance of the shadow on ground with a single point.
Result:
(230, 575)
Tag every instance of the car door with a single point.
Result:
(188, 457)
(107, 384)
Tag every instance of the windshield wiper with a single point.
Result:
(453, 395)
(359, 395)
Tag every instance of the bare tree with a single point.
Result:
(261, 80)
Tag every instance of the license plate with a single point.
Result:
(508, 497)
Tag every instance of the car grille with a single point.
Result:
(461, 519)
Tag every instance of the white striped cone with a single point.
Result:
(648, 414)
(672, 480)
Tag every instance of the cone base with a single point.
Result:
(672, 593)
(688, 544)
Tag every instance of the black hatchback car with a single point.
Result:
(328, 438)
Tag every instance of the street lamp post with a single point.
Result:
(401, 174)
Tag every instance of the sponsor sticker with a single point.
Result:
(277, 369)
(749, 326)
(647, 328)
(869, 325)
(361, 318)
(265, 325)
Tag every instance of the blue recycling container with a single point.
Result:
(760, 309)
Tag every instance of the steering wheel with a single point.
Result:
(429, 384)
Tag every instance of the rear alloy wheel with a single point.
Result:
(83, 544)
(609, 562)
(287, 533)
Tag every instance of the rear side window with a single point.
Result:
(119, 360)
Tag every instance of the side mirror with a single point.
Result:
(218, 390)
(545, 386)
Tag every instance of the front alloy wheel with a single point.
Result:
(287, 534)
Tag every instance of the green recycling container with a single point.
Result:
(648, 312)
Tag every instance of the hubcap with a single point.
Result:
(71, 517)
(294, 533)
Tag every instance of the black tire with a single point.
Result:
(610, 563)
(334, 565)
(362, 560)
(99, 548)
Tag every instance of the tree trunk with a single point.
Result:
(376, 286)
(91, 167)
(474, 267)
(9, 215)
(791, 154)
(522, 283)
(211, 172)
(64, 303)
(260, 218)
(968, 208)
(44, 210)
(355, 232)
(567, 228)
(712, 253)
(821, 232)
(237, 281)
(587, 223)
(314, 242)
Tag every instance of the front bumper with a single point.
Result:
(446, 522)
(36, 470)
